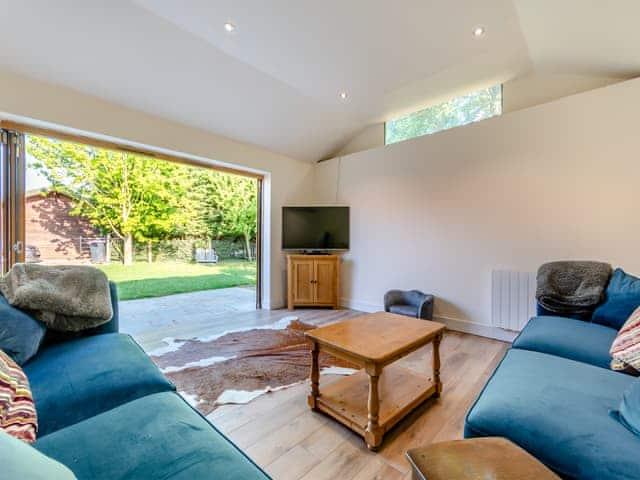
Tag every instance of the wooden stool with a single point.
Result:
(476, 459)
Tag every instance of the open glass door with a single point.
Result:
(12, 182)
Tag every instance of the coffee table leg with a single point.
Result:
(436, 365)
(373, 434)
(315, 377)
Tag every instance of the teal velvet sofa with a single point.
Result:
(555, 395)
(107, 412)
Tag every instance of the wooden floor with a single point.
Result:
(291, 442)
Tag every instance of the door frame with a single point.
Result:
(12, 188)
(259, 220)
(119, 147)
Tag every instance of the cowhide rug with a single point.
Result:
(238, 366)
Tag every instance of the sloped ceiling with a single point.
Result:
(275, 80)
(588, 37)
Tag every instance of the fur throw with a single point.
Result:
(570, 287)
(65, 298)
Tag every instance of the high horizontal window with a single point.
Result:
(456, 112)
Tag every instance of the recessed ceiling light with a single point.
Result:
(479, 31)
(343, 95)
(229, 27)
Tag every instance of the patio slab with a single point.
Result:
(187, 315)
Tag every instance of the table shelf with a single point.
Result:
(401, 390)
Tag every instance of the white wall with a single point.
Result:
(539, 88)
(287, 180)
(438, 213)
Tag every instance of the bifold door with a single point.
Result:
(12, 181)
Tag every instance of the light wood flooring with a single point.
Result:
(289, 441)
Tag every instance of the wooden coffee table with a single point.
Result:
(370, 402)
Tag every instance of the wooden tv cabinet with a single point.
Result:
(313, 280)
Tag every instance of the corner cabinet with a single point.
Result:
(313, 280)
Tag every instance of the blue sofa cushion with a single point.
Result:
(80, 378)
(20, 460)
(560, 411)
(622, 297)
(20, 334)
(568, 338)
(158, 436)
(630, 408)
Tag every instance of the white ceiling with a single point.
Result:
(275, 81)
(591, 37)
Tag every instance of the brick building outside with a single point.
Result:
(58, 236)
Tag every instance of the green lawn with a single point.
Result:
(145, 280)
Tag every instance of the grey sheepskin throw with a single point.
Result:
(572, 286)
(64, 298)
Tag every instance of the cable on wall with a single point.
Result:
(338, 179)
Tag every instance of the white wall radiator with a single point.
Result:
(513, 298)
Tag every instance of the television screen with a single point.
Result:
(315, 228)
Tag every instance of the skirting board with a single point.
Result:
(478, 329)
(458, 325)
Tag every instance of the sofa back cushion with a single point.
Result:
(17, 411)
(20, 334)
(20, 460)
(630, 408)
(622, 297)
(543, 312)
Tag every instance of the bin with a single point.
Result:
(97, 248)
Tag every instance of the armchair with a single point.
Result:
(411, 303)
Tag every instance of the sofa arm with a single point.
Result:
(113, 325)
(425, 309)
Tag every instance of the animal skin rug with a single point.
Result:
(238, 366)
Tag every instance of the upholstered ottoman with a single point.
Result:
(476, 459)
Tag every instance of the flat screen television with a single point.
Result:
(315, 228)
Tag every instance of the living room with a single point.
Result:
(470, 205)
